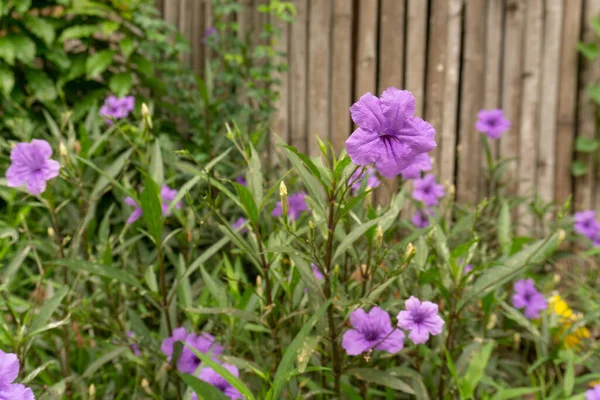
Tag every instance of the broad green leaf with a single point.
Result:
(569, 378)
(7, 50)
(514, 393)
(48, 309)
(306, 351)
(7, 81)
(97, 63)
(105, 271)
(40, 28)
(315, 293)
(586, 145)
(594, 92)
(589, 50)
(25, 49)
(156, 164)
(185, 289)
(247, 201)
(579, 168)
(231, 312)
(151, 205)
(380, 377)
(120, 84)
(313, 184)
(78, 32)
(203, 390)
(504, 228)
(33, 374)
(41, 85)
(476, 369)
(127, 46)
(255, 176)
(354, 235)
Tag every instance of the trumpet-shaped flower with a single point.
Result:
(420, 219)
(31, 165)
(593, 393)
(372, 331)
(526, 296)
(492, 123)
(388, 134)
(188, 362)
(422, 163)
(421, 319)
(9, 371)
(427, 191)
(212, 377)
(586, 223)
(116, 108)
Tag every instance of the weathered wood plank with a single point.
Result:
(281, 119)
(416, 50)
(341, 67)
(366, 49)
(171, 11)
(319, 73)
(186, 20)
(299, 75)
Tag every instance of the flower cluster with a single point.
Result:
(9, 371)
(116, 108)
(587, 225)
(167, 195)
(567, 318)
(492, 123)
(428, 192)
(374, 331)
(526, 296)
(421, 163)
(31, 165)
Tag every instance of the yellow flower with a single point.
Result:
(567, 320)
(560, 307)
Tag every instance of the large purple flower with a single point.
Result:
(586, 223)
(188, 362)
(388, 134)
(427, 191)
(116, 108)
(593, 393)
(167, 195)
(31, 165)
(372, 330)
(492, 123)
(211, 376)
(9, 371)
(420, 219)
(413, 171)
(168, 344)
(358, 177)
(421, 319)
(526, 296)
(297, 205)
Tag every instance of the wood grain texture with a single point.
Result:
(366, 49)
(529, 118)
(319, 73)
(171, 11)
(281, 120)
(567, 100)
(299, 76)
(471, 100)
(416, 50)
(341, 67)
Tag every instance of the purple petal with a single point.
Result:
(359, 319)
(43, 147)
(394, 342)
(9, 368)
(355, 343)
(397, 106)
(364, 146)
(367, 113)
(419, 334)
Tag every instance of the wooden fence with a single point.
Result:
(457, 57)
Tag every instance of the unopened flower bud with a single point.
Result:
(62, 149)
(92, 391)
(146, 115)
(556, 278)
(283, 193)
(51, 233)
(516, 340)
(410, 250)
(77, 147)
(259, 290)
(492, 322)
(379, 236)
(561, 235)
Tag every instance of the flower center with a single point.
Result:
(527, 297)
(493, 122)
(371, 335)
(418, 317)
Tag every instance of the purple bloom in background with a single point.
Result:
(134, 346)
(208, 32)
(427, 191)
(420, 219)
(526, 296)
(188, 361)
(9, 371)
(358, 177)
(116, 108)
(31, 165)
(211, 376)
(316, 271)
(422, 163)
(167, 195)
(593, 393)
(421, 319)
(238, 223)
(372, 330)
(167, 346)
(297, 205)
(388, 134)
(468, 268)
(586, 223)
(241, 180)
(137, 211)
(492, 123)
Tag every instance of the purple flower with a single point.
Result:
(372, 330)
(586, 223)
(167, 194)
(388, 134)
(421, 318)
(427, 191)
(239, 223)
(9, 371)
(358, 177)
(167, 346)
(211, 376)
(31, 165)
(241, 180)
(420, 219)
(208, 32)
(188, 362)
(316, 271)
(593, 393)
(116, 108)
(492, 123)
(134, 346)
(526, 296)
(468, 268)
(413, 171)
(297, 205)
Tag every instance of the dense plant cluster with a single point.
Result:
(133, 268)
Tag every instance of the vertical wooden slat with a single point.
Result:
(492, 87)
(529, 122)
(436, 65)
(511, 84)
(549, 99)
(416, 50)
(160, 4)
(299, 74)
(319, 73)
(341, 66)
(471, 99)
(567, 101)
(366, 49)
(196, 44)
(244, 18)
(391, 65)
(451, 91)
(186, 19)
(171, 11)
(590, 74)
(281, 119)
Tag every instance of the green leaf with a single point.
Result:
(504, 228)
(104, 359)
(156, 164)
(215, 288)
(315, 293)
(569, 379)
(152, 208)
(40, 28)
(514, 393)
(589, 50)
(520, 319)
(476, 369)
(25, 49)
(313, 184)
(120, 84)
(287, 362)
(255, 184)
(380, 377)
(105, 271)
(579, 168)
(306, 351)
(354, 235)
(7, 50)
(42, 318)
(594, 92)
(497, 275)
(110, 173)
(247, 201)
(41, 85)
(595, 23)
(79, 31)
(127, 46)
(7, 81)
(97, 63)
(586, 145)
(203, 390)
